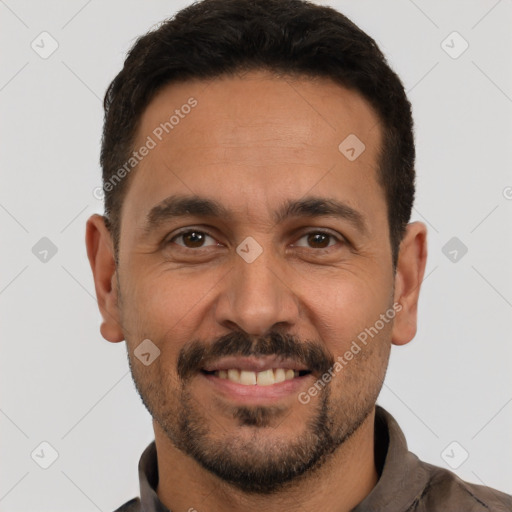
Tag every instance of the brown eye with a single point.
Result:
(191, 239)
(318, 240)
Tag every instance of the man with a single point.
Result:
(257, 257)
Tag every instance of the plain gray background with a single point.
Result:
(61, 383)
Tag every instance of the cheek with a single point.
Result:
(166, 298)
(345, 308)
(166, 308)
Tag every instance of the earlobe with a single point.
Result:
(411, 264)
(101, 258)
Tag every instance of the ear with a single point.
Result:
(412, 259)
(101, 258)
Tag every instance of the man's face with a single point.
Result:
(252, 290)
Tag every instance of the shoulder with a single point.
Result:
(130, 506)
(446, 491)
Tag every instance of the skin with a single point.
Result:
(252, 142)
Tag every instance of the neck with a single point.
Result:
(341, 483)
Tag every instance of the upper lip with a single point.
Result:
(254, 364)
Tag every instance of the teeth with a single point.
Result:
(264, 378)
(279, 375)
(234, 375)
(247, 378)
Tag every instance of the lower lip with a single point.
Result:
(256, 394)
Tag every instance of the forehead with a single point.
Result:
(252, 109)
(250, 137)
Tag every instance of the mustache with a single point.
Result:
(196, 355)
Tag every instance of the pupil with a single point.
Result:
(195, 238)
(318, 237)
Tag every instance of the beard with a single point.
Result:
(249, 458)
(256, 465)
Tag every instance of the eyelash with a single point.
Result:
(338, 238)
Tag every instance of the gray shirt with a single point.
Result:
(406, 484)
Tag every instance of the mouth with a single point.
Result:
(267, 377)
(255, 380)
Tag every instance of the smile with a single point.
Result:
(256, 380)
(263, 378)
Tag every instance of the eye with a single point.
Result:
(192, 239)
(196, 239)
(318, 240)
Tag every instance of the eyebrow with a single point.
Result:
(177, 206)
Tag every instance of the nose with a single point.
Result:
(257, 297)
